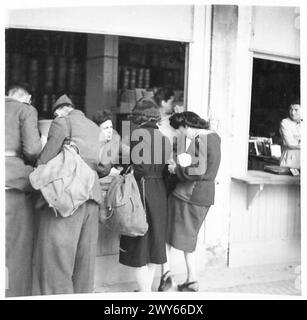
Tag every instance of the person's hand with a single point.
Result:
(172, 166)
(115, 171)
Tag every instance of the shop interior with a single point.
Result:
(275, 85)
(96, 72)
(54, 62)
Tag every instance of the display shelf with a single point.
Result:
(147, 63)
(52, 63)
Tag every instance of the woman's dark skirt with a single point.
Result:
(150, 248)
(184, 222)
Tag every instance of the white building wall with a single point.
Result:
(170, 22)
(222, 74)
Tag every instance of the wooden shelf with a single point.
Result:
(261, 177)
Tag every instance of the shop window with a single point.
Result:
(55, 62)
(274, 86)
(146, 64)
(50, 62)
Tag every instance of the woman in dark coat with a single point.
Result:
(189, 203)
(148, 156)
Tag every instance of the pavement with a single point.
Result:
(273, 279)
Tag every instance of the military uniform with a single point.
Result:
(22, 146)
(65, 249)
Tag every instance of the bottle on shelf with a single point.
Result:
(133, 78)
(126, 76)
(61, 74)
(147, 79)
(18, 67)
(45, 106)
(49, 73)
(72, 74)
(140, 81)
(34, 74)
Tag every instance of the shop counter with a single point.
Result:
(257, 180)
(265, 219)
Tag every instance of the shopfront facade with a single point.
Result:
(249, 224)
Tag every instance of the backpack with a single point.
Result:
(123, 201)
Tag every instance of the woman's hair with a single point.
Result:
(294, 101)
(163, 94)
(100, 117)
(145, 110)
(189, 119)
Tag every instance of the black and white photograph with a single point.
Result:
(152, 149)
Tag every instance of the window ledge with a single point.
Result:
(256, 180)
(262, 177)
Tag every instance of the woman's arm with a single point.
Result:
(198, 150)
(288, 137)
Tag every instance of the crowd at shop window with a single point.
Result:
(54, 195)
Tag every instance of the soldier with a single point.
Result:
(65, 252)
(22, 146)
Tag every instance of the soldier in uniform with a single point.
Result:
(65, 250)
(22, 147)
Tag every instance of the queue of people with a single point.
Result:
(50, 254)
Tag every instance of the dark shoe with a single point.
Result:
(188, 286)
(166, 282)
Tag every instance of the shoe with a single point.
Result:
(188, 286)
(166, 282)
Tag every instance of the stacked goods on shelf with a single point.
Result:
(132, 78)
(34, 74)
(127, 100)
(49, 74)
(52, 63)
(61, 74)
(18, 67)
(126, 77)
(71, 75)
(45, 104)
(147, 78)
(151, 63)
(140, 78)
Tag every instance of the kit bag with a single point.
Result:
(126, 213)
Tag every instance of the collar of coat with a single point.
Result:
(148, 124)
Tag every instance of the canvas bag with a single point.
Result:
(66, 181)
(104, 184)
(126, 211)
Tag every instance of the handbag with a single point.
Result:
(104, 184)
(126, 212)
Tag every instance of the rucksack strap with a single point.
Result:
(68, 140)
(68, 125)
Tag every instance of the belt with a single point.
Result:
(9, 153)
